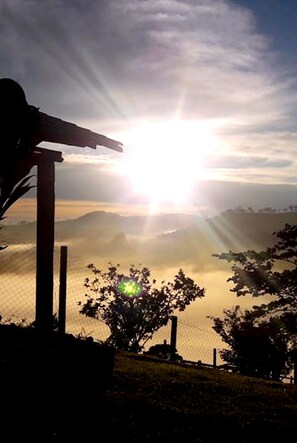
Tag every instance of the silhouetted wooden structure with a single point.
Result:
(45, 235)
(62, 290)
(173, 335)
(23, 127)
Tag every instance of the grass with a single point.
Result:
(153, 401)
(146, 400)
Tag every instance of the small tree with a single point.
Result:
(132, 306)
(256, 348)
(270, 272)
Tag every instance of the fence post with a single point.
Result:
(295, 372)
(173, 337)
(214, 358)
(62, 290)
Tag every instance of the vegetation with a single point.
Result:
(15, 160)
(14, 171)
(255, 349)
(146, 399)
(267, 209)
(151, 400)
(132, 305)
(271, 272)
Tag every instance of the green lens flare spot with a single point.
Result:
(129, 288)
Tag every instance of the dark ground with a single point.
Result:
(81, 391)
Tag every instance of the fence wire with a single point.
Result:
(17, 303)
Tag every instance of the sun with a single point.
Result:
(164, 160)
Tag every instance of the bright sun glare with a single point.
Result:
(165, 160)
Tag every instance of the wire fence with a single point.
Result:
(17, 303)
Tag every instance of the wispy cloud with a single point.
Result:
(107, 64)
(201, 58)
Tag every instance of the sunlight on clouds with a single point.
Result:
(104, 161)
(164, 159)
(196, 61)
(155, 61)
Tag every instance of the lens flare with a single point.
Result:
(129, 288)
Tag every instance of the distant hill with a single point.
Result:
(250, 229)
(232, 230)
(100, 224)
(229, 230)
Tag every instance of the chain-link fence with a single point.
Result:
(17, 303)
(193, 343)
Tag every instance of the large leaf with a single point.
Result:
(8, 198)
(18, 191)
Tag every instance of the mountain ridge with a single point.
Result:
(247, 229)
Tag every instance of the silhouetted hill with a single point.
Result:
(100, 224)
(250, 229)
(229, 230)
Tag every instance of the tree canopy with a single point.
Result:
(132, 305)
(269, 272)
(259, 349)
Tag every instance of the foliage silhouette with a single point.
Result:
(258, 349)
(15, 161)
(10, 193)
(270, 272)
(133, 320)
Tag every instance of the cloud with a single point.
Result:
(106, 59)
(234, 162)
(106, 65)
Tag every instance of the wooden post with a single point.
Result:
(295, 371)
(173, 337)
(62, 290)
(45, 160)
(45, 245)
(214, 358)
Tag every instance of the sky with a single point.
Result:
(203, 95)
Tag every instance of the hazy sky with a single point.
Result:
(202, 93)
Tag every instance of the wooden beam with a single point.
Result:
(42, 154)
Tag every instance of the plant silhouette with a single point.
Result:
(133, 306)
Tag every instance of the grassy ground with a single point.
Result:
(149, 401)
(145, 401)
